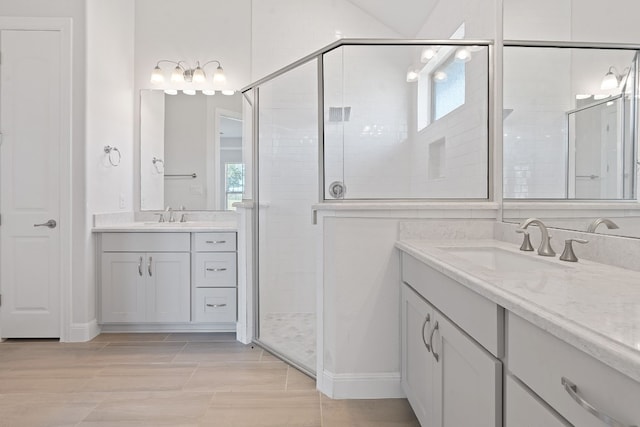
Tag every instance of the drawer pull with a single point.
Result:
(572, 389)
(426, 320)
(215, 242)
(216, 305)
(433, 350)
(149, 266)
(140, 267)
(216, 269)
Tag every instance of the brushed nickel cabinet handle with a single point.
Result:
(433, 350)
(572, 389)
(216, 305)
(216, 269)
(149, 266)
(140, 267)
(426, 320)
(214, 242)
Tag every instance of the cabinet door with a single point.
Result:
(168, 287)
(467, 384)
(417, 373)
(123, 287)
(524, 410)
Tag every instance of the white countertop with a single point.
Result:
(592, 306)
(167, 227)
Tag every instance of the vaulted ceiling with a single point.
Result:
(406, 17)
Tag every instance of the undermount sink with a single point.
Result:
(498, 259)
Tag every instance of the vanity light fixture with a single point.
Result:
(208, 92)
(184, 73)
(228, 92)
(612, 79)
(171, 91)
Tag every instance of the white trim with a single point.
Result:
(83, 332)
(64, 26)
(168, 327)
(361, 386)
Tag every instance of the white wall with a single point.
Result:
(109, 121)
(284, 31)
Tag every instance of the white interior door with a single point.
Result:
(30, 122)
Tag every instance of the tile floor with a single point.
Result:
(293, 333)
(170, 380)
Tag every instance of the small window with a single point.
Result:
(233, 184)
(448, 87)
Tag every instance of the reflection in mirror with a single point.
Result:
(406, 122)
(190, 151)
(569, 132)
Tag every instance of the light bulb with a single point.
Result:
(189, 91)
(177, 75)
(218, 75)
(228, 92)
(199, 76)
(171, 91)
(427, 54)
(440, 76)
(463, 54)
(209, 92)
(412, 76)
(583, 96)
(157, 76)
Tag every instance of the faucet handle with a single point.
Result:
(568, 254)
(161, 214)
(526, 243)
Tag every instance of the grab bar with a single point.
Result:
(185, 175)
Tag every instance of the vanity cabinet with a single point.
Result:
(175, 280)
(450, 378)
(145, 278)
(214, 278)
(567, 380)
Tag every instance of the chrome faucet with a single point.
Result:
(545, 248)
(596, 222)
(183, 217)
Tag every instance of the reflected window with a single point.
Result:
(233, 183)
(448, 88)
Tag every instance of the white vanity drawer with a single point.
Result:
(146, 242)
(215, 242)
(214, 269)
(482, 319)
(541, 361)
(213, 305)
(525, 410)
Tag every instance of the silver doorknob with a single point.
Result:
(51, 224)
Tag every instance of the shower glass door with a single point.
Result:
(287, 188)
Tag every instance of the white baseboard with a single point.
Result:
(168, 327)
(362, 386)
(83, 332)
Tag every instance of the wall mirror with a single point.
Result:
(571, 134)
(190, 151)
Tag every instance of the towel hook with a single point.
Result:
(109, 149)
